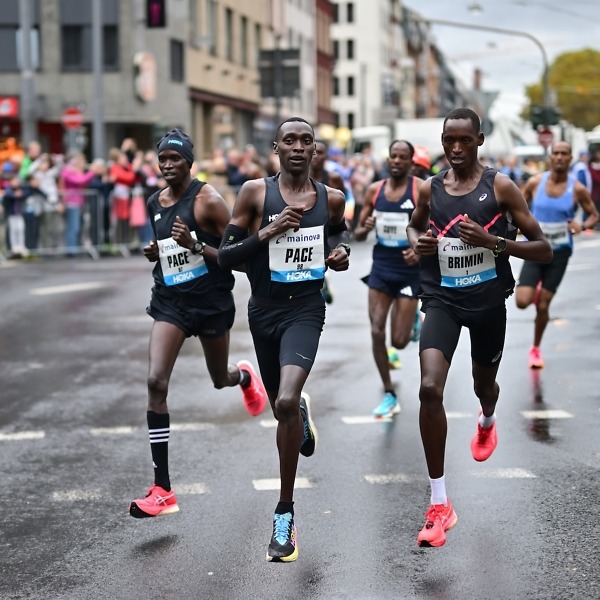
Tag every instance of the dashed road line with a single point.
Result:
(191, 489)
(264, 485)
(546, 414)
(22, 435)
(101, 431)
(504, 474)
(72, 287)
(387, 479)
(268, 423)
(76, 495)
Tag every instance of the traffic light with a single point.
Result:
(156, 13)
(543, 116)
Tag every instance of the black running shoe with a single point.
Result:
(283, 546)
(311, 437)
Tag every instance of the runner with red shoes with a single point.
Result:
(192, 296)
(464, 228)
(554, 197)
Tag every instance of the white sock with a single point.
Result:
(438, 490)
(487, 422)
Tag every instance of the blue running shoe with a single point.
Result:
(311, 437)
(283, 546)
(388, 408)
(393, 359)
(416, 331)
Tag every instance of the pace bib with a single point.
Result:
(298, 255)
(462, 265)
(178, 264)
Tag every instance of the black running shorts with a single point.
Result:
(443, 323)
(285, 335)
(206, 319)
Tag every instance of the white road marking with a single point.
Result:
(190, 489)
(76, 495)
(581, 267)
(72, 287)
(546, 414)
(22, 435)
(132, 319)
(112, 430)
(459, 415)
(192, 426)
(268, 423)
(386, 479)
(264, 485)
(365, 420)
(504, 474)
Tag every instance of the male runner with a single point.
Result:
(394, 278)
(286, 230)
(464, 229)
(554, 197)
(191, 297)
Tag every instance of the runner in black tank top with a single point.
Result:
(464, 229)
(286, 230)
(394, 278)
(191, 297)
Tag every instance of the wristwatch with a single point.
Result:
(346, 247)
(499, 247)
(198, 248)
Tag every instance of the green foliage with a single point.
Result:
(574, 79)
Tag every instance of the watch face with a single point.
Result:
(501, 245)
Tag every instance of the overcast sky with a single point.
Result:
(510, 62)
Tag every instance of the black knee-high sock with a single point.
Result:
(159, 429)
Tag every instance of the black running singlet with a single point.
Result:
(177, 268)
(469, 277)
(291, 265)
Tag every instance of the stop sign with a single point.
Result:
(72, 118)
(545, 137)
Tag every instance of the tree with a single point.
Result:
(574, 77)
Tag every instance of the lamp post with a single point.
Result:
(525, 34)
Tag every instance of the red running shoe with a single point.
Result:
(535, 358)
(255, 395)
(438, 519)
(484, 442)
(157, 502)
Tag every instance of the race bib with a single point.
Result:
(462, 265)
(178, 264)
(390, 229)
(298, 255)
(557, 234)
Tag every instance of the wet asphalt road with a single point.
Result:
(74, 452)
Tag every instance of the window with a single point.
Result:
(350, 12)
(336, 13)
(336, 86)
(336, 119)
(212, 28)
(350, 49)
(336, 49)
(244, 41)
(177, 61)
(229, 34)
(350, 120)
(257, 40)
(350, 83)
(76, 35)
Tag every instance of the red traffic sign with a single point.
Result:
(545, 137)
(72, 118)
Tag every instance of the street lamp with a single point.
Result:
(525, 34)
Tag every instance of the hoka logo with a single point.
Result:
(176, 142)
(471, 280)
(273, 217)
(298, 275)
